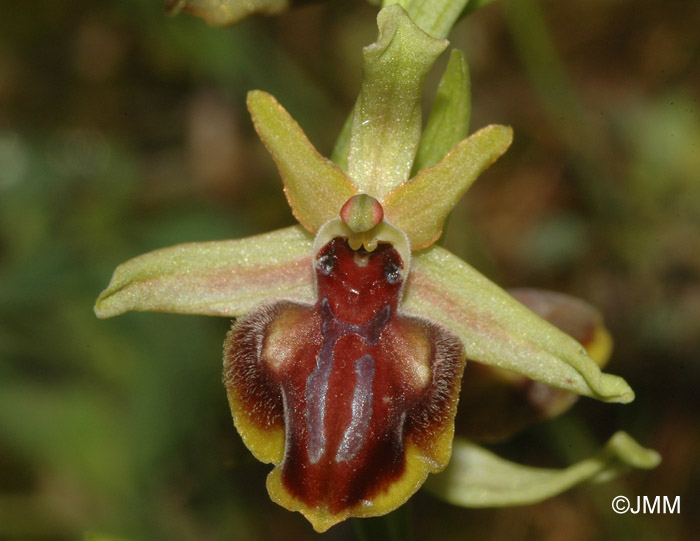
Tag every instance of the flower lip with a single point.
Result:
(364, 395)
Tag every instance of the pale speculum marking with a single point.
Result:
(362, 397)
(332, 330)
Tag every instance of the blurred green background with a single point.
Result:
(122, 131)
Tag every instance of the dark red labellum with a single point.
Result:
(351, 381)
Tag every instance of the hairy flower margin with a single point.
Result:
(344, 366)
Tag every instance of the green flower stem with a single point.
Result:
(396, 526)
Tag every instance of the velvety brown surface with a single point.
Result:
(350, 379)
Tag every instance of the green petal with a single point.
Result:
(476, 477)
(226, 12)
(225, 278)
(386, 122)
(448, 123)
(499, 331)
(420, 206)
(315, 187)
(342, 144)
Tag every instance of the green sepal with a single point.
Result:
(448, 122)
(476, 477)
(315, 187)
(420, 206)
(499, 331)
(225, 278)
(500, 402)
(436, 17)
(386, 123)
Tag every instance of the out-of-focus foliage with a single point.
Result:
(226, 12)
(122, 130)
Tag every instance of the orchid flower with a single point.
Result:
(343, 366)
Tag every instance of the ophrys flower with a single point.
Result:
(344, 366)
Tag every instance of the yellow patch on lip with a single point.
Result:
(414, 475)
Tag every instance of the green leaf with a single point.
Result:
(315, 187)
(225, 278)
(448, 123)
(420, 206)
(72, 430)
(226, 12)
(386, 122)
(476, 477)
(499, 331)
